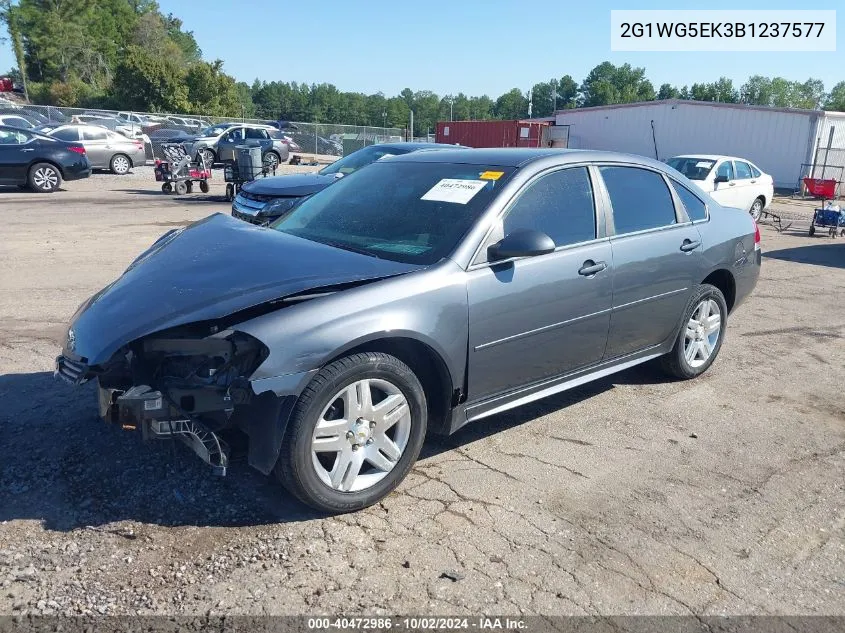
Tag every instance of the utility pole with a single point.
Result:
(412, 124)
(553, 82)
(530, 101)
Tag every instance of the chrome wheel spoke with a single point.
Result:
(389, 411)
(347, 465)
(379, 460)
(691, 351)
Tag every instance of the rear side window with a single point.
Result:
(696, 209)
(94, 135)
(559, 204)
(255, 133)
(67, 134)
(640, 199)
(743, 170)
(756, 173)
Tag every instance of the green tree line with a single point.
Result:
(128, 55)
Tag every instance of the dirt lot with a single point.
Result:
(629, 496)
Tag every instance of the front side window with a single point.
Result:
(559, 204)
(726, 169)
(12, 137)
(743, 170)
(639, 197)
(696, 209)
(401, 211)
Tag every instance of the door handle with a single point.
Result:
(732, 184)
(689, 245)
(591, 268)
(28, 149)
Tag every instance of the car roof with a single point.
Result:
(414, 146)
(712, 157)
(518, 156)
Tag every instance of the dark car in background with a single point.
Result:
(38, 161)
(266, 199)
(423, 293)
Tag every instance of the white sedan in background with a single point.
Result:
(732, 182)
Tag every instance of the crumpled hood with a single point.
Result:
(294, 185)
(209, 270)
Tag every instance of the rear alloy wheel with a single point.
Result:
(701, 335)
(208, 157)
(356, 431)
(271, 161)
(756, 209)
(44, 178)
(120, 164)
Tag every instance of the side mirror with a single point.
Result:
(522, 243)
(720, 178)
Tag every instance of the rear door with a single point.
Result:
(16, 152)
(538, 317)
(96, 145)
(656, 258)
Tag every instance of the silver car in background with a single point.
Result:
(105, 149)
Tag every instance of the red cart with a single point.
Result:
(821, 188)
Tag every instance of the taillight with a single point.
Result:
(77, 149)
(756, 235)
(139, 143)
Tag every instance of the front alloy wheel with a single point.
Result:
(354, 434)
(361, 435)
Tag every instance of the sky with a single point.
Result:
(471, 46)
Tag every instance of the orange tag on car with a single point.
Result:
(491, 175)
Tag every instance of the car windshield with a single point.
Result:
(361, 158)
(691, 167)
(215, 130)
(407, 212)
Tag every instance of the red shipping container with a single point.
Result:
(493, 133)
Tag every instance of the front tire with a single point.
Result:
(44, 178)
(701, 334)
(354, 434)
(120, 164)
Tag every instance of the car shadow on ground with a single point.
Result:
(826, 253)
(189, 197)
(61, 465)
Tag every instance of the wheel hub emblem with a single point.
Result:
(71, 340)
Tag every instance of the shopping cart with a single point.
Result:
(178, 172)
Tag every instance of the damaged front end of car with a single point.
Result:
(186, 383)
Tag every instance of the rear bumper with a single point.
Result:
(77, 172)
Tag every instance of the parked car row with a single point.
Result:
(28, 158)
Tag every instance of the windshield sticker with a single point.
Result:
(454, 190)
(491, 175)
(705, 164)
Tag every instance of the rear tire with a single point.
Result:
(756, 209)
(272, 161)
(44, 178)
(203, 186)
(120, 164)
(209, 157)
(357, 430)
(701, 334)
(181, 188)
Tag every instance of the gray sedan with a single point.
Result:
(105, 149)
(418, 294)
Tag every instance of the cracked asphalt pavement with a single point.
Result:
(632, 495)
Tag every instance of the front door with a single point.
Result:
(227, 143)
(656, 259)
(547, 315)
(725, 193)
(746, 185)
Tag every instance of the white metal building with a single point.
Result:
(778, 140)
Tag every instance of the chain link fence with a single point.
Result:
(310, 142)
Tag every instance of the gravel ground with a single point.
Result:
(633, 495)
